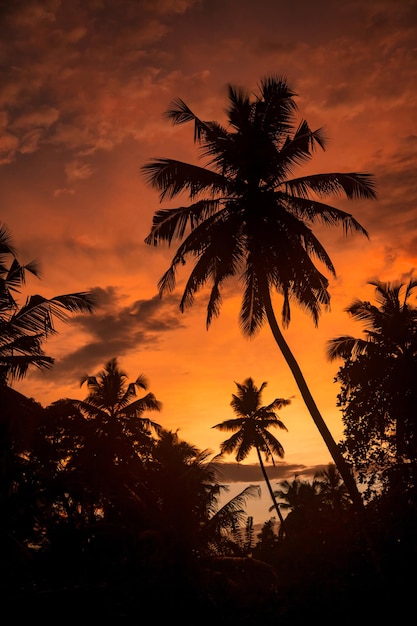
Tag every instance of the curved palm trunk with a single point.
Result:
(334, 450)
(271, 493)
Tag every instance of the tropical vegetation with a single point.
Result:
(251, 429)
(24, 329)
(378, 396)
(105, 515)
(250, 218)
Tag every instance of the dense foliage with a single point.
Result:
(378, 394)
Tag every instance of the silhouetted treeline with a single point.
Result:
(102, 520)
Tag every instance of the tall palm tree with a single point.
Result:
(249, 217)
(24, 329)
(251, 428)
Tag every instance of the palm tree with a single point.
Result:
(23, 330)
(390, 327)
(379, 372)
(251, 428)
(249, 218)
(187, 490)
(298, 495)
(332, 490)
(114, 442)
(114, 401)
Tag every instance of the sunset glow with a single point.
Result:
(84, 89)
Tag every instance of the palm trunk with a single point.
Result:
(271, 493)
(334, 450)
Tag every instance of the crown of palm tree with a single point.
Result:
(249, 216)
(390, 327)
(252, 423)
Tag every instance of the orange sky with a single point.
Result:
(84, 87)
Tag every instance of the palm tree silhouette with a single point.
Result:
(332, 490)
(23, 330)
(187, 491)
(389, 326)
(114, 402)
(117, 437)
(251, 428)
(386, 356)
(297, 494)
(249, 218)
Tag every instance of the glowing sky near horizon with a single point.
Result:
(84, 88)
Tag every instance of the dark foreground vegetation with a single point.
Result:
(107, 516)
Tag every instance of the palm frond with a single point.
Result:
(38, 313)
(180, 113)
(352, 185)
(217, 261)
(6, 241)
(275, 106)
(315, 211)
(139, 406)
(239, 110)
(297, 150)
(274, 446)
(16, 366)
(236, 505)
(252, 312)
(169, 224)
(172, 177)
(340, 347)
(230, 424)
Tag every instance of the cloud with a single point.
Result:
(249, 473)
(115, 330)
(76, 170)
(68, 84)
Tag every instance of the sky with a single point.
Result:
(84, 88)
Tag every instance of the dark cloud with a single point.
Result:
(114, 330)
(249, 473)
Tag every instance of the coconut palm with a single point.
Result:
(250, 218)
(378, 377)
(24, 329)
(118, 438)
(187, 492)
(112, 399)
(332, 490)
(251, 428)
(389, 326)
(298, 494)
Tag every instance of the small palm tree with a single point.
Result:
(186, 489)
(250, 218)
(117, 438)
(332, 490)
(111, 397)
(297, 494)
(251, 428)
(23, 330)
